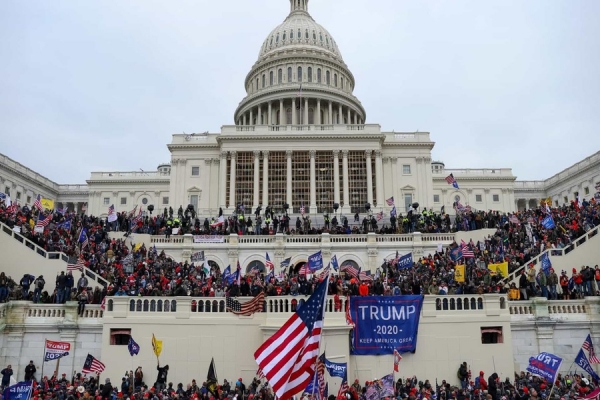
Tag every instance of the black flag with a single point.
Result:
(211, 378)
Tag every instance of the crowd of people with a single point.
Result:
(133, 386)
(139, 271)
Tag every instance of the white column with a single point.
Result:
(265, 196)
(349, 116)
(288, 191)
(294, 113)
(251, 122)
(379, 178)
(282, 120)
(244, 119)
(396, 184)
(222, 179)
(336, 176)
(318, 117)
(313, 183)
(232, 202)
(255, 200)
(369, 177)
(306, 111)
(270, 111)
(259, 120)
(355, 118)
(341, 115)
(345, 182)
(330, 115)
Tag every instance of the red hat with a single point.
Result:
(480, 372)
(525, 389)
(574, 270)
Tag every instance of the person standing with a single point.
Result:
(30, 371)
(61, 281)
(6, 374)
(38, 285)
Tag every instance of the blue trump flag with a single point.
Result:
(545, 365)
(548, 222)
(546, 264)
(315, 261)
(334, 263)
(456, 253)
(583, 363)
(227, 273)
(133, 347)
(406, 261)
(19, 391)
(336, 369)
(382, 323)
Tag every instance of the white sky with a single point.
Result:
(91, 85)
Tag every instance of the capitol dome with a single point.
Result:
(300, 78)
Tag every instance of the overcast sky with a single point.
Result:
(102, 85)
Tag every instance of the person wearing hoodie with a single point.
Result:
(493, 386)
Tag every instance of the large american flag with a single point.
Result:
(92, 365)
(349, 269)
(325, 273)
(38, 202)
(390, 201)
(321, 375)
(365, 276)
(268, 263)
(111, 209)
(288, 357)
(588, 345)
(349, 320)
(78, 266)
(43, 221)
(451, 181)
(466, 251)
(379, 216)
(304, 270)
(248, 308)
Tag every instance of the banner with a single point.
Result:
(336, 369)
(381, 388)
(20, 391)
(198, 256)
(384, 323)
(315, 261)
(459, 273)
(38, 229)
(209, 239)
(48, 204)
(501, 269)
(545, 263)
(56, 350)
(583, 363)
(406, 261)
(545, 365)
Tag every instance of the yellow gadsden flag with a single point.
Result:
(501, 269)
(48, 204)
(156, 346)
(459, 273)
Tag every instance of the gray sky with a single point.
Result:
(90, 85)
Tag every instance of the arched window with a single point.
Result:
(289, 79)
(279, 76)
(264, 80)
(291, 34)
(256, 87)
(342, 82)
(284, 36)
(309, 74)
(277, 38)
(318, 75)
(321, 36)
(327, 40)
(288, 116)
(335, 80)
(306, 34)
(311, 116)
(299, 34)
(256, 265)
(327, 78)
(314, 36)
(271, 42)
(271, 78)
(299, 74)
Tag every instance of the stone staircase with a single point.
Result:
(20, 256)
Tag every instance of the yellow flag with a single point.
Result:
(501, 269)
(459, 273)
(137, 246)
(156, 346)
(48, 204)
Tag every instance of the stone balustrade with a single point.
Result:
(540, 307)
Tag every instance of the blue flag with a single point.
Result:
(545, 365)
(64, 225)
(406, 261)
(315, 261)
(583, 363)
(334, 263)
(233, 277)
(133, 347)
(336, 369)
(456, 254)
(83, 235)
(227, 273)
(546, 264)
(19, 391)
(548, 222)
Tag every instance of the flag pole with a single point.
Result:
(312, 395)
(44, 358)
(57, 366)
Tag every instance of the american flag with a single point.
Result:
(78, 266)
(451, 181)
(248, 308)
(300, 91)
(379, 215)
(111, 209)
(288, 357)
(349, 320)
(321, 375)
(304, 270)
(343, 388)
(92, 365)
(41, 222)
(38, 202)
(466, 251)
(260, 374)
(514, 220)
(349, 269)
(587, 345)
(268, 263)
(390, 201)
(302, 209)
(365, 276)
(325, 273)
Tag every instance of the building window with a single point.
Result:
(309, 74)
(18, 195)
(289, 79)
(7, 190)
(256, 87)
(106, 201)
(144, 201)
(342, 82)
(195, 171)
(194, 201)
(284, 36)
(327, 78)
(277, 38)
(280, 76)
(406, 170)
(306, 34)
(314, 36)
(318, 75)
(264, 80)
(491, 335)
(119, 337)
(288, 116)
(335, 80)
(28, 199)
(496, 197)
(299, 34)
(165, 200)
(478, 198)
(586, 190)
(123, 200)
(436, 198)
(291, 34)
(299, 74)
(565, 199)
(311, 116)
(271, 78)
(408, 201)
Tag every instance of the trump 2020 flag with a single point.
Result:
(545, 365)
(19, 391)
(406, 261)
(546, 264)
(583, 363)
(548, 222)
(315, 261)
(334, 263)
(133, 347)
